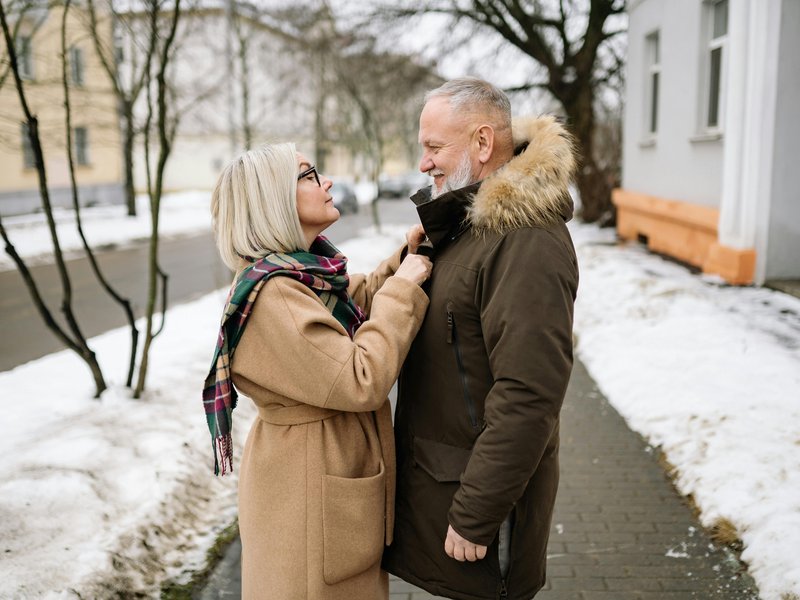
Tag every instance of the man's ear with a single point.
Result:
(484, 136)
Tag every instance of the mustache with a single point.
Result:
(435, 173)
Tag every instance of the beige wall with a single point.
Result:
(93, 107)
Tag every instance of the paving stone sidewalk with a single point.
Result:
(620, 530)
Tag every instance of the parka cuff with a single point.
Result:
(476, 528)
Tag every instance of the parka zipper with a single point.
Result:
(452, 338)
(503, 589)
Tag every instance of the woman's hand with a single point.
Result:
(414, 237)
(415, 268)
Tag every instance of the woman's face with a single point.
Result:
(314, 204)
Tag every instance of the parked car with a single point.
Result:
(402, 186)
(344, 197)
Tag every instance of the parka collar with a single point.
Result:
(531, 189)
(446, 216)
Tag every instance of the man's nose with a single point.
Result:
(425, 164)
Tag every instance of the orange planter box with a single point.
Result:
(684, 231)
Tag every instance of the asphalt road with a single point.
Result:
(192, 263)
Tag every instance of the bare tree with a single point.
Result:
(571, 41)
(366, 99)
(165, 130)
(127, 90)
(102, 280)
(72, 337)
(243, 38)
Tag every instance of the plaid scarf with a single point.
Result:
(324, 269)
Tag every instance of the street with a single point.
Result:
(192, 263)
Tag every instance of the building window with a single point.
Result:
(28, 159)
(653, 58)
(76, 65)
(81, 146)
(119, 46)
(716, 59)
(25, 57)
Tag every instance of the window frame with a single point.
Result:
(28, 157)
(24, 49)
(77, 66)
(653, 84)
(80, 135)
(711, 45)
(119, 45)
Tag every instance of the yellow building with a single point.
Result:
(96, 133)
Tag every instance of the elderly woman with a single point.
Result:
(316, 483)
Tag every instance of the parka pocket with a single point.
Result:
(443, 462)
(353, 528)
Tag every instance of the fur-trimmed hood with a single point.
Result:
(531, 190)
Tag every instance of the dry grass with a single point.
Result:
(724, 532)
(668, 467)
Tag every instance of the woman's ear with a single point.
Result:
(484, 136)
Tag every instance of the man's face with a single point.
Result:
(446, 149)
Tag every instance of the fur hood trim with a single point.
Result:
(530, 190)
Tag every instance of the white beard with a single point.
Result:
(460, 178)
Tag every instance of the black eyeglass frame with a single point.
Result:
(309, 171)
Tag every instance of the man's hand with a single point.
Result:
(414, 237)
(457, 547)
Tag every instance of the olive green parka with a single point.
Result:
(477, 419)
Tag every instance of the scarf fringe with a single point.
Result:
(223, 448)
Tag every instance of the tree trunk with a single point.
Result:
(76, 205)
(78, 344)
(127, 156)
(592, 181)
(156, 190)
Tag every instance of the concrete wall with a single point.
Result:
(783, 244)
(679, 162)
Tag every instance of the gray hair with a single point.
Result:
(475, 96)
(254, 205)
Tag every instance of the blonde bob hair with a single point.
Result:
(254, 205)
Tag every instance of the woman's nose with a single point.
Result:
(326, 182)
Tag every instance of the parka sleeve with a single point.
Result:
(526, 291)
(293, 347)
(363, 286)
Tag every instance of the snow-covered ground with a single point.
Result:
(117, 493)
(105, 226)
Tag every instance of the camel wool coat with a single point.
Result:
(317, 476)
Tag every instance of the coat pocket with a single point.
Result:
(353, 528)
(441, 461)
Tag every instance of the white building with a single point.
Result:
(220, 59)
(209, 75)
(712, 135)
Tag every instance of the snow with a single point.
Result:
(107, 226)
(711, 375)
(117, 493)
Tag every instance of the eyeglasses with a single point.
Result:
(310, 171)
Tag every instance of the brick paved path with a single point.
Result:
(620, 531)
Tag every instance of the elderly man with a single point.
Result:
(477, 421)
